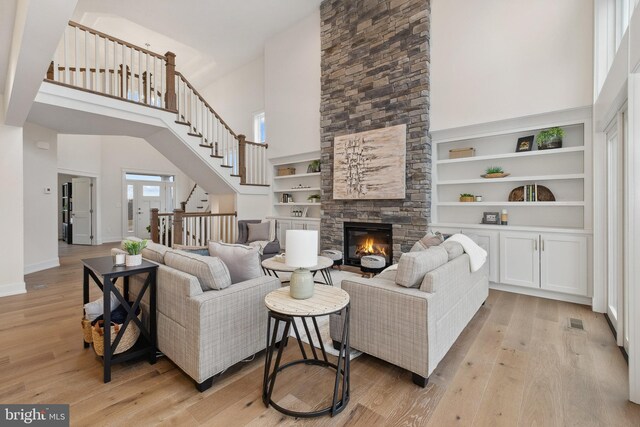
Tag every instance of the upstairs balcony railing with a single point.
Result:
(96, 62)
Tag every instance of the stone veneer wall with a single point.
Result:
(375, 73)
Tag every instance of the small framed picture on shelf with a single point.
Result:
(525, 143)
(491, 218)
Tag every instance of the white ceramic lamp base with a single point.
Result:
(301, 285)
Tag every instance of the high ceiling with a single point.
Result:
(210, 37)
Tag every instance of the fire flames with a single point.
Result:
(369, 247)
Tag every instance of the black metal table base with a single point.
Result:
(325, 272)
(342, 367)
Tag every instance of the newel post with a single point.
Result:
(170, 96)
(242, 160)
(177, 226)
(155, 226)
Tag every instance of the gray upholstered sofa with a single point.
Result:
(270, 250)
(414, 327)
(206, 332)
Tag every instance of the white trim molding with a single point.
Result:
(12, 289)
(633, 246)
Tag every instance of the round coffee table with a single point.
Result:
(283, 308)
(272, 267)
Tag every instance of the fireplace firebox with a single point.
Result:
(365, 238)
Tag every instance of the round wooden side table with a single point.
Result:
(283, 308)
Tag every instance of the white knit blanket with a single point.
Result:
(477, 255)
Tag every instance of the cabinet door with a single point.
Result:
(487, 240)
(519, 259)
(563, 261)
(281, 232)
(298, 225)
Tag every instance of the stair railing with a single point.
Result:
(93, 61)
(193, 228)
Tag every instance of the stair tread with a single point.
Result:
(199, 135)
(206, 145)
(217, 157)
(257, 185)
(183, 123)
(227, 166)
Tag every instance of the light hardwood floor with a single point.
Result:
(516, 363)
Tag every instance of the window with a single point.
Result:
(259, 134)
(142, 177)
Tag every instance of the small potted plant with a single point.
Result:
(550, 138)
(314, 166)
(494, 172)
(466, 197)
(314, 198)
(134, 252)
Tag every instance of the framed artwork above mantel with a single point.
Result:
(370, 165)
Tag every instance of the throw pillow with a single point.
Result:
(154, 252)
(413, 266)
(430, 239)
(454, 249)
(258, 231)
(211, 272)
(198, 250)
(243, 261)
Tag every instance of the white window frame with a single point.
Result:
(256, 127)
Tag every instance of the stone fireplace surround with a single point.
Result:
(375, 73)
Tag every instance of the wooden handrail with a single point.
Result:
(184, 204)
(115, 39)
(207, 214)
(206, 104)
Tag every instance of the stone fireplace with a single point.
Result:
(365, 238)
(375, 74)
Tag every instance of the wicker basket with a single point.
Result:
(86, 330)
(126, 342)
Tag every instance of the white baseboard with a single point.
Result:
(111, 239)
(44, 265)
(12, 289)
(578, 299)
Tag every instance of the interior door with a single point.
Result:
(563, 261)
(520, 259)
(148, 195)
(615, 291)
(81, 213)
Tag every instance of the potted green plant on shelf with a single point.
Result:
(550, 138)
(314, 166)
(494, 172)
(314, 198)
(466, 197)
(134, 251)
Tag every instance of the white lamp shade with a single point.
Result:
(301, 248)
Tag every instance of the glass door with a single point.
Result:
(143, 193)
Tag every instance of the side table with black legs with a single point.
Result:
(283, 308)
(271, 267)
(147, 343)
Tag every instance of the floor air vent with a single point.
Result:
(576, 324)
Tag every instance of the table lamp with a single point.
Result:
(301, 253)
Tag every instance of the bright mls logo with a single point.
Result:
(34, 415)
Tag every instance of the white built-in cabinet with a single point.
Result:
(553, 262)
(546, 249)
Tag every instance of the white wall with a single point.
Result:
(11, 208)
(292, 89)
(237, 96)
(497, 59)
(40, 209)
(106, 157)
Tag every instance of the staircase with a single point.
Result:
(197, 201)
(98, 84)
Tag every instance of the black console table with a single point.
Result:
(103, 267)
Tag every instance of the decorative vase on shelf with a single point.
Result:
(133, 260)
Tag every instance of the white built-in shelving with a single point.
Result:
(565, 171)
(299, 186)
